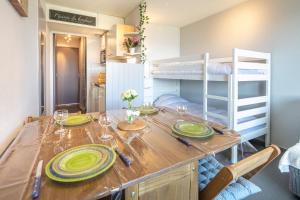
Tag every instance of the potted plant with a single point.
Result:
(131, 44)
(128, 96)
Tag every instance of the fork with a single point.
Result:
(127, 161)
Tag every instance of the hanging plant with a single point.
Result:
(144, 20)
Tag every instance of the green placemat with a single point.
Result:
(77, 120)
(80, 163)
(148, 110)
(191, 129)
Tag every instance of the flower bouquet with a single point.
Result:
(131, 44)
(128, 96)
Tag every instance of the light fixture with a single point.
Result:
(68, 38)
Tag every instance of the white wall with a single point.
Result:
(263, 25)
(18, 68)
(162, 41)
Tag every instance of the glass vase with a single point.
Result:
(130, 113)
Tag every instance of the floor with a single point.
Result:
(274, 184)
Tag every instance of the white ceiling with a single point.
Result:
(171, 12)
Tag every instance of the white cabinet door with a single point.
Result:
(120, 77)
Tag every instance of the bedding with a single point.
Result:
(290, 158)
(172, 101)
(194, 69)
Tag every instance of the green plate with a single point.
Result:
(80, 163)
(77, 120)
(194, 130)
(148, 110)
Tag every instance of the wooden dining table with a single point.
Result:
(162, 167)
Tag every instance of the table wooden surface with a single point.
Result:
(154, 151)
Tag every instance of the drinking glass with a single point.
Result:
(60, 117)
(105, 122)
(147, 106)
(181, 110)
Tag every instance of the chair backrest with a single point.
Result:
(253, 164)
(246, 168)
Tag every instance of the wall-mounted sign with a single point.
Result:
(71, 17)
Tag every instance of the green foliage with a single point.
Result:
(144, 20)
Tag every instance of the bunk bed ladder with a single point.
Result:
(264, 109)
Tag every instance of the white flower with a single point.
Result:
(129, 95)
(133, 93)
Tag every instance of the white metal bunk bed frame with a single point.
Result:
(241, 60)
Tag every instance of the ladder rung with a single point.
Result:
(252, 65)
(252, 100)
(250, 124)
(252, 112)
(217, 97)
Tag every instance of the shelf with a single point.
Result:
(132, 34)
(132, 54)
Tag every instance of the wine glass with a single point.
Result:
(181, 110)
(146, 106)
(105, 122)
(60, 117)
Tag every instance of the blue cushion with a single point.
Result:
(239, 189)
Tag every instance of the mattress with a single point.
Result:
(195, 69)
(172, 101)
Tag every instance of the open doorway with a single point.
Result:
(70, 73)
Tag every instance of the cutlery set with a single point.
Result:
(127, 161)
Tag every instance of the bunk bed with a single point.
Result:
(250, 116)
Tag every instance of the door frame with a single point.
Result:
(50, 71)
(42, 72)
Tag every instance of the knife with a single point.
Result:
(37, 181)
(218, 131)
(183, 141)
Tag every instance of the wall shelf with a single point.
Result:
(132, 54)
(132, 34)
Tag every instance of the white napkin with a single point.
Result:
(290, 158)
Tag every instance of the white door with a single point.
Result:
(67, 75)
